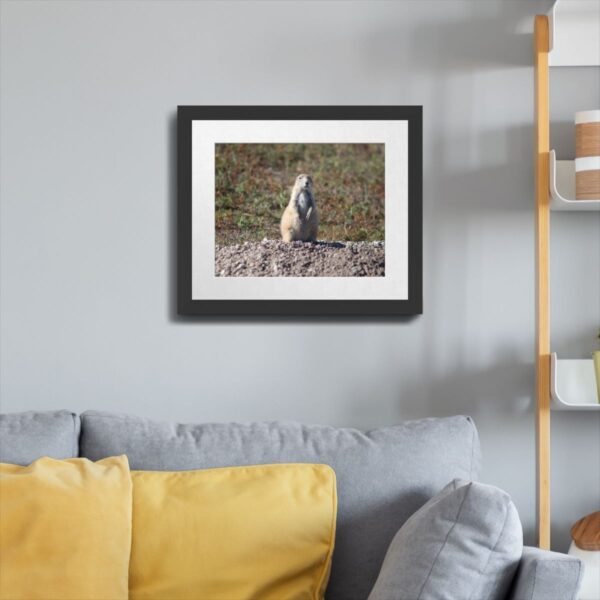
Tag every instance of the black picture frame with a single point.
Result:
(186, 305)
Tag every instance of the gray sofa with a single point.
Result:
(383, 476)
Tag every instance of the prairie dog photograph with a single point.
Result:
(299, 210)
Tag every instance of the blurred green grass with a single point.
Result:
(253, 184)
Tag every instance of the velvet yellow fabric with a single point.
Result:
(239, 533)
(65, 529)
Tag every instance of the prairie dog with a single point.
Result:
(300, 220)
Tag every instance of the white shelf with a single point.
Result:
(573, 384)
(574, 33)
(562, 187)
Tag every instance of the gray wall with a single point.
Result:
(89, 91)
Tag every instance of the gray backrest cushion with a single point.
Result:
(464, 544)
(383, 476)
(545, 575)
(27, 436)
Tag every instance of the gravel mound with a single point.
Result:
(271, 258)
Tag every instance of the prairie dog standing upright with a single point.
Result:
(300, 220)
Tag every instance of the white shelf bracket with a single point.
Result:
(574, 32)
(562, 187)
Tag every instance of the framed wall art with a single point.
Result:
(299, 210)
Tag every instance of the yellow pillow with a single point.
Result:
(65, 529)
(261, 533)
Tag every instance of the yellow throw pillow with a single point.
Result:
(240, 533)
(65, 529)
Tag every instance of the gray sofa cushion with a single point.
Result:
(383, 476)
(27, 436)
(464, 544)
(545, 575)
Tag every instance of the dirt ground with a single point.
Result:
(271, 258)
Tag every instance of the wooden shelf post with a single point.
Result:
(542, 200)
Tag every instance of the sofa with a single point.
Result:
(383, 476)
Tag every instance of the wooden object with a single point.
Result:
(587, 155)
(586, 532)
(588, 184)
(587, 139)
(542, 212)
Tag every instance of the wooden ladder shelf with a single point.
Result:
(542, 212)
(567, 36)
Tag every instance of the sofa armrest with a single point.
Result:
(544, 575)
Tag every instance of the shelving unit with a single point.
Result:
(562, 187)
(573, 384)
(573, 34)
(568, 36)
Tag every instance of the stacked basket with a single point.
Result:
(587, 155)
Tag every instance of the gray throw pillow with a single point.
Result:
(464, 544)
(27, 436)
